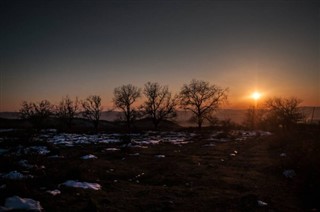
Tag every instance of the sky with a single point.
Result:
(50, 49)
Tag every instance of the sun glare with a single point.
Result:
(256, 95)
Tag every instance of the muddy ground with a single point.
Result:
(199, 176)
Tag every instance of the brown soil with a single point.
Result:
(191, 177)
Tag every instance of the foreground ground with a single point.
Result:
(203, 175)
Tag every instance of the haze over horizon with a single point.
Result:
(50, 49)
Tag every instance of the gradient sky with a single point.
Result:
(50, 49)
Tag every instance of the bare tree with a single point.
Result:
(202, 99)
(254, 117)
(36, 113)
(124, 97)
(159, 104)
(92, 109)
(283, 112)
(67, 110)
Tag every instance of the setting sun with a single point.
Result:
(256, 95)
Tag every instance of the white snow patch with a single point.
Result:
(41, 150)
(261, 203)
(112, 149)
(160, 156)
(54, 192)
(222, 140)
(7, 130)
(151, 138)
(84, 185)
(18, 203)
(135, 154)
(56, 156)
(15, 175)
(86, 157)
(25, 164)
(283, 155)
(140, 146)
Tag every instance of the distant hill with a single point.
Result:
(183, 117)
(148, 124)
(311, 114)
(9, 115)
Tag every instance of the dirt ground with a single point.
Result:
(198, 176)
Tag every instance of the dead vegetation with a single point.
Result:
(202, 175)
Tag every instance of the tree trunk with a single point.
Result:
(156, 124)
(199, 123)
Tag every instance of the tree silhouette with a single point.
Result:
(283, 112)
(67, 110)
(124, 97)
(92, 109)
(36, 113)
(254, 117)
(159, 104)
(202, 99)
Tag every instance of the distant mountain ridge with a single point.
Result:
(235, 115)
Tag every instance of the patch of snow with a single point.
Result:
(160, 156)
(18, 203)
(135, 154)
(154, 141)
(139, 139)
(265, 133)
(40, 150)
(7, 130)
(25, 164)
(86, 157)
(241, 134)
(56, 156)
(232, 155)
(112, 149)
(283, 155)
(140, 146)
(15, 175)
(249, 133)
(54, 192)
(109, 141)
(84, 185)
(221, 140)
(261, 203)
(179, 141)
(289, 173)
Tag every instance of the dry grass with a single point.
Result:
(191, 177)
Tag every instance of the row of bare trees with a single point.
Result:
(275, 112)
(199, 97)
(66, 111)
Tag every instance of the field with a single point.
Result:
(164, 171)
